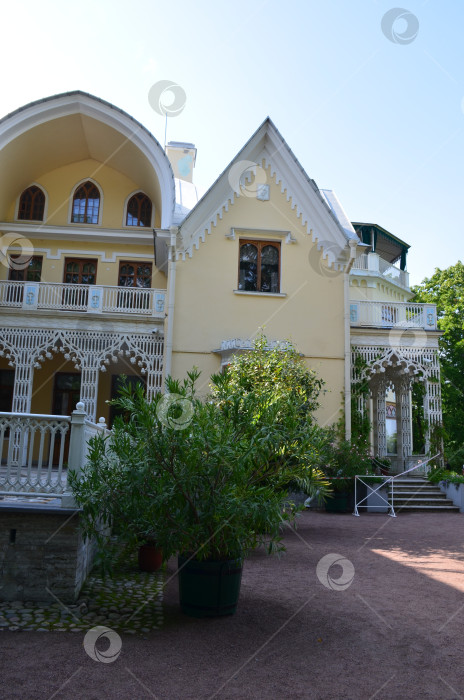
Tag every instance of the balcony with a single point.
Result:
(95, 299)
(383, 314)
(372, 265)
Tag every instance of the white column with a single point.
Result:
(380, 430)
(89, 390)
(22, 389)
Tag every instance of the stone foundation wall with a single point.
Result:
(42, 554)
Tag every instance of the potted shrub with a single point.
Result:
(345, 461)
(210, 476)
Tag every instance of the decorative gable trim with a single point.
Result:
(267, 150)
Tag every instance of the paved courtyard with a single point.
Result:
(385, 622)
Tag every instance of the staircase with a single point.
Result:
(416, 494)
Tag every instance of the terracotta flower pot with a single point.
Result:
(150, 557)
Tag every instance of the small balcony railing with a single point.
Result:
(382, 314)
(373, 265)
(82, 297)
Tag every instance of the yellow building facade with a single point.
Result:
(111, 267)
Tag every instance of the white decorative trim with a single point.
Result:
(124, 212)
(266, 148)
(254, 233)
(138, 236)
(18, 198)
(259, 294)
(71, 200)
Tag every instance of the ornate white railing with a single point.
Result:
(399, 315)
(33, 453)
(82, 297)
(36, 451)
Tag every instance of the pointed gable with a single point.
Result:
(267, 151)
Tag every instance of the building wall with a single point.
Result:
(311, 314)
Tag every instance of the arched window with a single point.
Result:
(32, 204)
(86, 204)
(139, 210)
(259, 266)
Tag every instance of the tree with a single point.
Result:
(270, 391)
(216, 484)
(446, 289)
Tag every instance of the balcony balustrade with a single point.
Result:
(382, 314)
(82, 297)
(372, 264)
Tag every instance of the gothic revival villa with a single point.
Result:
(111, 266)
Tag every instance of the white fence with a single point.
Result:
(393, 314)
(82, 297)
(37, 450)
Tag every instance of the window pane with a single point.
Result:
(269, 269)
(248, 278)
(139, 210)
(32, 204)
(86, 204)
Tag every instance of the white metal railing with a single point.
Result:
(38, 449)
(385, 314)
(82, 297)
(387, 479)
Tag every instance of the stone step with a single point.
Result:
(420, 492)
(435, 507)
(418, 499)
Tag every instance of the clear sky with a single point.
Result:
(379, 120)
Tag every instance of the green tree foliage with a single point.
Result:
(216, 484)
(446, 289)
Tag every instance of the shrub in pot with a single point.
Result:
(209, 477)
(345, 460)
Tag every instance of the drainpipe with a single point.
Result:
(171, 297)
(346, 286)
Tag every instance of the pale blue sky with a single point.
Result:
(380, 123)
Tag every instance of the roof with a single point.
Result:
(318, 212)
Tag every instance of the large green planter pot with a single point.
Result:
(209, 588)
(340, 502)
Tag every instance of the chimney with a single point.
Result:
(182, 157)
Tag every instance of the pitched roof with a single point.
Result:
(267, 147)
